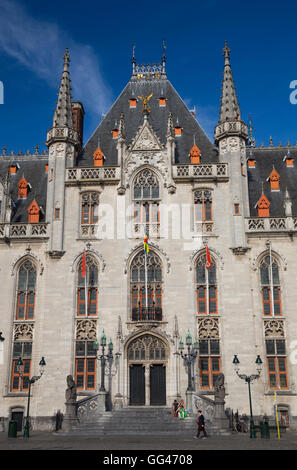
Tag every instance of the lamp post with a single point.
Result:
(189, 357)
(31, 381)
(103, 357)
(248, 379)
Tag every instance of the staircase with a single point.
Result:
(138, 420)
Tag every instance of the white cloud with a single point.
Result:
(40, 45)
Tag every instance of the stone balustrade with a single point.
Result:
(93, 174)
(270, 224)
(203, 170)
(19, 230)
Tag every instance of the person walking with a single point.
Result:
(201, 425)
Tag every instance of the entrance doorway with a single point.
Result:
(137, 385)
(158, 385)
(147, 361)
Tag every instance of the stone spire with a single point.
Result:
(229, 105)
(63, 113)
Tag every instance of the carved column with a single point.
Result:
(147, 384)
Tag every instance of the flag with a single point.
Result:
(208, 259)
(83, 265)
(145, 243)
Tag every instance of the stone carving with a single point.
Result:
(70, 393)
(23, 331)
(274, 329)
(208, 328)
(86, 330)
(219, 387)
(206, 405)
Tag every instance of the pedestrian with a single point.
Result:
(201, 425)
(174, 408)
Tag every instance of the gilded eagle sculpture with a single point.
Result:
(145, 100)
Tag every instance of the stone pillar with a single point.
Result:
(147, 384)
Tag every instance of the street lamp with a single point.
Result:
(189, 357)
(31, 381)
(103, 357)
(248, 379)
(1, 337)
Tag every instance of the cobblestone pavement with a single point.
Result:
(52, 441)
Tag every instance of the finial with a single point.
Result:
(271, 141)
(252, 140)
(226, 52)
(66, 59)
(164, 57)
(164, 49)
(133, 58)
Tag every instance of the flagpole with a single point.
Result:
(207, 293)
(271, 281)
(86, 293)
(145, 273)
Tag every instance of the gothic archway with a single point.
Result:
(147, 357)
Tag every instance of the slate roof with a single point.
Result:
(158, 117)
(266, 158)
(32, 167)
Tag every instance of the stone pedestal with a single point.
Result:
(189, 401)
(101, 400)
(220, 417)
(70, 420)
(118, 401)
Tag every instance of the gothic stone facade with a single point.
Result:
(148, 153)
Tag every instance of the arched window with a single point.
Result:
(89, 208)
(88, 283)
(203, 206)
(26, 291)
(146, 304)
(206, 287)
(147, 347)
(146, 196)
(270, 286)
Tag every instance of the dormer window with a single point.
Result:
(13, 169)
(33, 212)
(195, 154)
(251, 163)
(98, 157)
(274, 180)
(178, 131)
(162, 102)
(132, 102)
(23, 188)
(290, 162)
(115, 133)
(263, 206)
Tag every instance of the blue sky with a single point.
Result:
(34, 34)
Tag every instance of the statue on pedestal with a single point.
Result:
(219, 392)
(70, 393)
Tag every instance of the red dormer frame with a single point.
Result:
(33, 212)
(263, 206)
(98, 157)
(274, 180)
(23, 188)
(195, 154)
